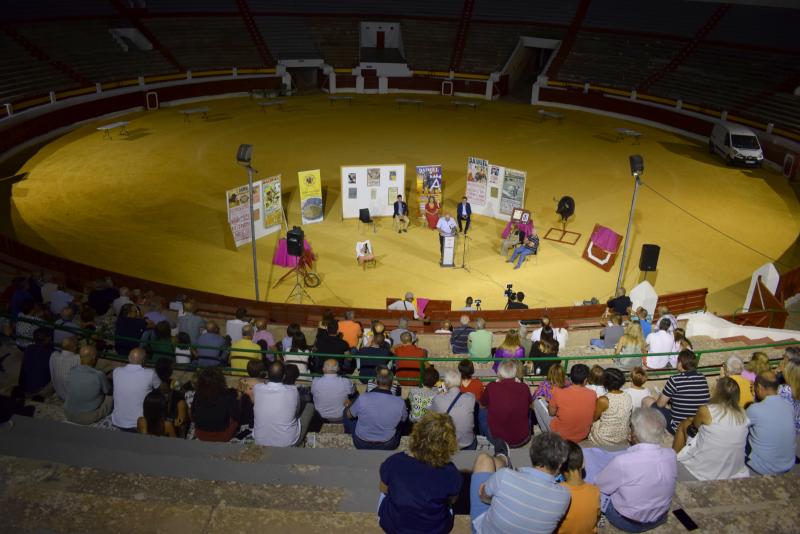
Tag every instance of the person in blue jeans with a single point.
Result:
(528, 247)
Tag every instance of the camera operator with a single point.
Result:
(516, 303)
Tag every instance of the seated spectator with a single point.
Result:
(771, 442)
(376, 327)
(59, 300)
(596, 380)
(663, 313)
(184, 353)
(611, 334)
(154, 419)
(733, 368)
(584, 506)
(27, 321)
(215, 410)
(123, 299)
(570, 412)
(101, 297)
(244, 350)
(373, 418)
(407, 371)
(468, 384)
(546, 347)
(65, 326)
(620, 304)
(351, 331)
(510, 348)
(637, 391)
(158, 342)
(645, 324)
(612, 413)
(460, 407)
(132, 383)
(211, 347)
(559, 334)
(88, 392)
(402, 326)
(418, 488)
(527, 499)
(445, 328)
(189, 322)
(34, 374)
(298, 354)
(790, 390)
(639, 481)
(177, 412)
(156, 312)
(333, 343)
(508, 403)
(378, 357)
(555, 379)
(758, 364)
(406, 304)
(720, 431)
(280, 420)
(61, 364)
(659, 343)
(233, 327)
(684, 392)
(258, 370)
(631, 342)
(263, 334)
(681, 343)
(479, 341)
(129, 329)
(330, 391)
(419, 399)
(460, 336)
(291, 330)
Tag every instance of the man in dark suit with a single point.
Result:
(401, 213)
(464, 213)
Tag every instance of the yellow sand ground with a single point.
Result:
(153, 204)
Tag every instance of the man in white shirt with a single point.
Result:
(132, 383)
(447, 227)
(657, 342)
(61, 363)
(121, 300)
(275, 411)
(560, 334)
(406, 304)
(233, 327)
(330, 391)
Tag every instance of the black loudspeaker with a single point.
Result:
(244, 154)
(566, 207)
(637, 164)
(294, 241)
(648, 261)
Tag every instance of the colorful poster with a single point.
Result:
(310, 196)
(271, 192)
(238, 202)
(513, 191)
(373, 177)
(429, 183)
(392, 196)
(477, 176)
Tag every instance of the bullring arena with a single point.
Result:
(118, 152)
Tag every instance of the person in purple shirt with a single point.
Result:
(510, 348)
(636, 484)
(374, 417)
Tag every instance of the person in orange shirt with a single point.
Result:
(469, 384)
(407, 371)
(584, 507)
(350, 330)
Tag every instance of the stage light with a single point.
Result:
(243, 157)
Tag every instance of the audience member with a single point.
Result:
(517, 303)
(468, 384)
(419, 399)
(298, 354)
(596, 380)
(155, 312)
(584, 506)
(379, 357)
(479, 342)
(215, 410)
(129, 329)
(27, 319)
(255, 369)
(351, 331)
(402, 326)
(158, 342)
(132, 383)
(154, 417)
(503, 499)
(640, 481)
(719, 430)
(88, 397)
(233, 327)
(507, 402)
(418, 488)
(34, 374)
(510, 348)
(663, 313)
(407, 371)
(790, 390)
(291, 331)
(659, 343)
(733, 368)
(330, 391)
(759, 363)
(123, 299)
(681, 343)
(612, 413)
(771, 443)
(555, 379)
(637, 391)
(611, 334)
(189, 322)
(177, 412)
(263, 334)
(460, 407)
(333, 343)
(373, 418)
(65, 326)
(546, 347)
(631, 342)
(101, 297)
(244, 350)
(184, 353)
(570, 412)
(460, 336)
(445, 328)
(211, 347)
(280, 419)
(559, 334)
(61, 365)
(644, 322)
(620, 304)
(684, 392)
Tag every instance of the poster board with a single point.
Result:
(494, 190)
(311, 208)
(369, 186)
(267, 209)
(429, 183)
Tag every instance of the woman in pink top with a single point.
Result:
(510, 348)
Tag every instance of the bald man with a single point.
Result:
(211, 347)
(61, 364)
(89, 391)
(132, 383)
(262, 334)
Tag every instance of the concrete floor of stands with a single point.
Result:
(152, 204)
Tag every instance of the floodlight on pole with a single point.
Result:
(637, 169)
(243, 157)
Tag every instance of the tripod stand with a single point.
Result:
(298, 291)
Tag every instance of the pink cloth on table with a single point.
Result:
(282, 256)
(526, 227)
(605, 239)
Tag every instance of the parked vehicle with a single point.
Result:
(736, 144)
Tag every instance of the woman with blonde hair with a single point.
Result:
(711, 444)
(509, 348)
(631, 342)
(790, 369)
(759, 363)
(419, 487)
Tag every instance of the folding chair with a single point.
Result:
(364, 218)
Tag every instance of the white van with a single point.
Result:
(736, 144)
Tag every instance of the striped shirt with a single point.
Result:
(687, 392)
(523, 501)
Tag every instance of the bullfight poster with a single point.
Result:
(429, 184)
(513, 193)
(477, 175)
(310, 196)
(273, 210)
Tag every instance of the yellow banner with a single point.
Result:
(310, 196)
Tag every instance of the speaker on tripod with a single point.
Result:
(294, 241)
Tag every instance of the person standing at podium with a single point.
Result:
(447, 228)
